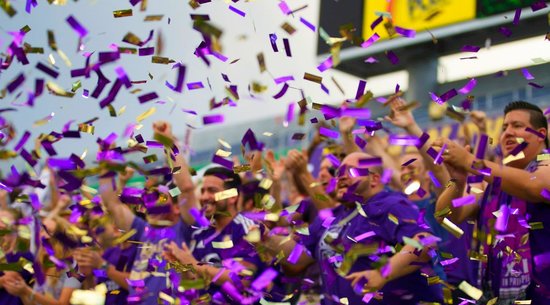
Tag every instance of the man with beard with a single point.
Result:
(355, 244)
(219, 252)
(514, 195)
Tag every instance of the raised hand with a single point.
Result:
(400, 117)
(373, 280)
(479, 118)
(296, 161)
(346, 124)
(277, 168)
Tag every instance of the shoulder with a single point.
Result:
(243, 223)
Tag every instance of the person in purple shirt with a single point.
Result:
(219, 252)
(516, 194)
(167, 221)
(8, 243)
(354, 245)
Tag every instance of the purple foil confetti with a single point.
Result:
(273, 41)
(282, 92)
(468, 87)
(405, 32)
(308, 24)
(286, 43)
(392, 57)
(325, 65)
(466, 200)
(376, 22)
(470, 48)
(435, 182)
(212, 119)
(82, 32)
(147, 97)
(367, 43)
(526, 74)
(237, 11)
(403, 140)
(295, 254)
(328, 133)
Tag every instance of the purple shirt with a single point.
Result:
(539, 241)
(507, 274)
(5, 297)
(204, 250)
(149, 259)
(464, 268)
(122, 260)
(328, 243)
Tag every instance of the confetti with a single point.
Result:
(367, 43)
(313, 78)
(146, 114)
(451, 227)
(228, 244)
(82, 32)
(470, 290)
(237, 11)
(122, 13)
(286, 44)
(213, 119)
(308, 24)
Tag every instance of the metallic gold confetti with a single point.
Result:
(230, 193)
(261, 62)
(223, 153)
(146, 114)
(470, 290)
(122, 13)
(313, 78)
(452, 228)
(162, 60)
(228, 244)
(153, 18)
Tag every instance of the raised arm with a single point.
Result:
(402, 117)
(346, 125)
(120, 212)
(182, 178)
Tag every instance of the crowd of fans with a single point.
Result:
(448, 221)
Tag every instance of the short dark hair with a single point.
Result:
(230, 179)
(536, 116)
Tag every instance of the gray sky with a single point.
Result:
(243, 38)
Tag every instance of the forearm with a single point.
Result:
(276, 244)
(517, 182)
(32, 297)
(118, 277)
(453, 191)
(348, 143)
(439, 171)
(122, 215)
(275, 192)
(405, 262)
(221, 275)
(185, 184)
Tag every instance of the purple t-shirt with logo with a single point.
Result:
(390, 218)
(5, 297)
(205, 251)
(122, 260)
(539, 240)
(507, 272)
(149, 260)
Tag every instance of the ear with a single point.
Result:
(543, 131)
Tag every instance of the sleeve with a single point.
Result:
(401, 221)
(72, 282)
(311, 241)
(139, 225)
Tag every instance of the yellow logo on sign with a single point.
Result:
(419, 15)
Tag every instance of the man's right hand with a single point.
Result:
(296, 161)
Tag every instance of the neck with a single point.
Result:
(223, 220)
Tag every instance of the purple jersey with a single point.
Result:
(5, 297)
(150, 274)
(205, 247)
(122, 260)
(390, 217)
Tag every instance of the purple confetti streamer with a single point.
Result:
(286, 43)
(403, 140)
(51, 72)
(360, 142)
(264, 279)
(82, 32)
(408, 162)
(519, 148)
(470, 48)
(482, 146)
(367, 43)
(308, 24)
(147, 97)
(466, 200)
(535, 85)
(448, 95)
(376, 22)
(539, 5)
(16, 83)
(405, 32)
(517, 15)
(538, 134)
(236, 10)
(179, 81)
(376, 161)
(282, 92)
(289, 114)
(146, 51)
(329, 133)
(194, 86)
(23, 140)
(526, 74)
(212, 119)
(505, 31)
(325, 65)
(283, 79)
(360, 113)
(468, 87)
(284, 8)
(295, 254)
(273, 41)
(371, 60)
(392, 57)
(360, 89)
(435, 182)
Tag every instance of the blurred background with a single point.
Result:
(500, 48)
